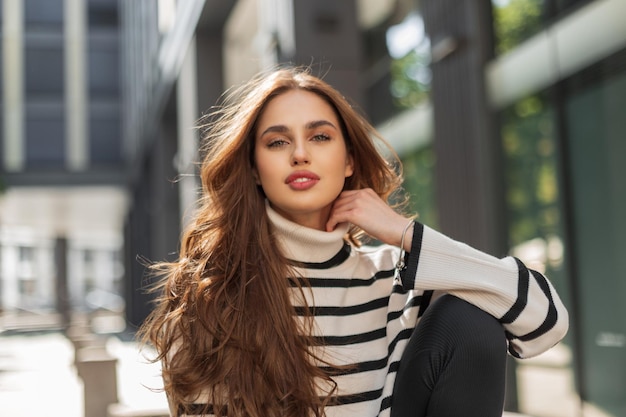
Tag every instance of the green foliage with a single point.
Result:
(410, 79)
(410, 86)
(528, 141)
(418, 170)
(515, 21)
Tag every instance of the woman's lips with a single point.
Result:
(302, 180)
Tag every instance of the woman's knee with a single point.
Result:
(465, 324)
(457, 350)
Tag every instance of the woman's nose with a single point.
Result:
(300, 154)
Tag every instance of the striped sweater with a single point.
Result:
(365, 313)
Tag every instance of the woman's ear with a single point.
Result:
(349, 166)
(255, 175)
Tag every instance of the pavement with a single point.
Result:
(38, 376)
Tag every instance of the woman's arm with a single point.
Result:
(523, 300)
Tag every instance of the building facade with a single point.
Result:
(507, 115)
(62, 164)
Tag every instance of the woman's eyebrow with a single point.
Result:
(310, 125)
(276, 129)
(317, 123)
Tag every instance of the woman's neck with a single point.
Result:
(316, 220)
(305, 244)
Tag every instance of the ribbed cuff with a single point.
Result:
(411, 259)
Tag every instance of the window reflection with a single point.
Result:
(409, 48)
(407, 86)
(514, 21)
(536, 236)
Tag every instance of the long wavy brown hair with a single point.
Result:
(224, 326)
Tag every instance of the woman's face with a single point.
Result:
(301, 159)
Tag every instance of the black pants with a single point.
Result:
(454, 364)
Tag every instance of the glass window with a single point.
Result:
(104, 75)
(595, 110)
(1, 106)
(528, 137)
(45, 138)
(585, 262)
(102, 14)
(515, 21)
(409, 48)
(43, 13)
(1, 65)
(564, 6)
(26, 254)
(408, 86)
(398, 75)
(1, 140)
(533, 189)
(536, 236)
(397, 83)
(27, 288)
(419, 170)
(44, 70)
(105, 147)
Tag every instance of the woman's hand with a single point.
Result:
(365, 209)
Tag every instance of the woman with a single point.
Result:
(275, 309)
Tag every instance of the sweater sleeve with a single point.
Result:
(523, 300)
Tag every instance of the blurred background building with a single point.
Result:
(508, 115)
(63, 167)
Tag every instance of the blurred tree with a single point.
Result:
(410, 79)
(515, 21)
(528, 142)
(418, 168)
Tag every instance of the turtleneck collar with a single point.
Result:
(303, 244)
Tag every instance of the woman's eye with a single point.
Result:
(321, 137)
(276, 143)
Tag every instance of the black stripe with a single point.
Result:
(367, 336)
(352, 339)
(357, 398)
(552, 316)
(362, 308)
(358, 368)
(510, 337)
(347, 310)
(412, 258)
(341, 283)
(522, 295)
(413, 302)
(385, 404)
(336, 260)
(394, 367)
(375, 364)
(403, 335)
(428, 295)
